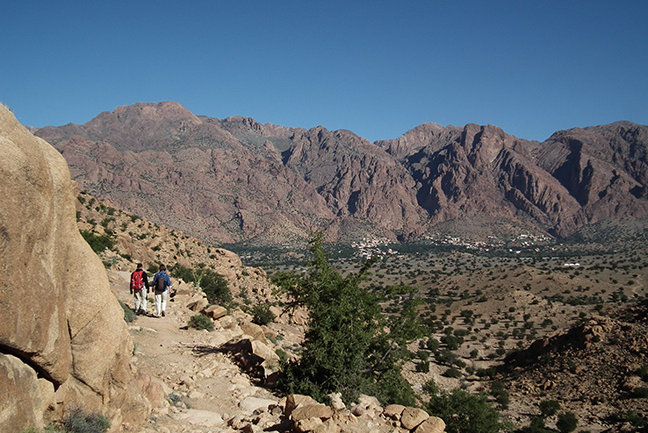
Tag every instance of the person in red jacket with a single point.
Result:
(139, 287)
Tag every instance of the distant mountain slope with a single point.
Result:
(236, 180)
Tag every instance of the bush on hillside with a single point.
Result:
(200, 321)
(567, 422)
(640, 392)
(77, 421)
(129, 315)
(463, 412)
(212, 283)
(261, 314)
(549, 407)
(350, 346)
(215, 287)
(98, 243)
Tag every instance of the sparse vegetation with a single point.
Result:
(129, 315)
(98, 243)
(78, 421)
(200, 322)
(261, 314)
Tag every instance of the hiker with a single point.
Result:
(139, 286)
(161, 284)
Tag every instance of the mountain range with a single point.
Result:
(237, 180)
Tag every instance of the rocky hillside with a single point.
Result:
(63, 342)
(237, 180)
(597, 370)
(122, 240)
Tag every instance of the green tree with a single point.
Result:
(463, 412)
(350, 346)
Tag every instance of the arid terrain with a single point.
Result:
(484, 306)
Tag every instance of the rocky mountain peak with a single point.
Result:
(253, 176)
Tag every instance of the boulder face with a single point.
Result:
(63, 340)
(237, 180)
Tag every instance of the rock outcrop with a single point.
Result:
(63, 340)
(302, 414)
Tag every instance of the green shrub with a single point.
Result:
(498, 390)
(98, 243)
(629, 416)
(463, 412)
(184, 273)
(549, 407)
(640, 392)
(537, 425)
(212, 283)
(452, 372)
(261, 314)
(567, 422)
(215, 287)
(643, 372)
(283, 356)
(129, 315)
(200, 321)
(79, 422)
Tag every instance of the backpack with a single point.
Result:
(160, 284)
(137, 282)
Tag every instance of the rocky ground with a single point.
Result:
(204, 381)
(597, 370)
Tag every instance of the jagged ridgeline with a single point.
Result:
(237, 180)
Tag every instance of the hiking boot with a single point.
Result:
(163, 314)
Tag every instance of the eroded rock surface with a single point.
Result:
(63, 340)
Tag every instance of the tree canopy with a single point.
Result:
(351, 347)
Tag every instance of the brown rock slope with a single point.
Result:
(604, 168)
(63, 341)
(236, 180)
(161, 161)
(476, 171)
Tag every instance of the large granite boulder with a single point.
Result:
(63, 340)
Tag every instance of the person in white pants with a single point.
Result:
(139, 286)
(161, 284)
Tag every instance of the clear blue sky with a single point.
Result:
(377, 68)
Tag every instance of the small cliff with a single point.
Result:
(63, 340)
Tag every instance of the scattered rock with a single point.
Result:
(294, 401)
(215, 312)
(431, 425)
(311, 411)
(252, 404)
(198, 305)
(255, 331)
(394, 411)
(412, 417)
